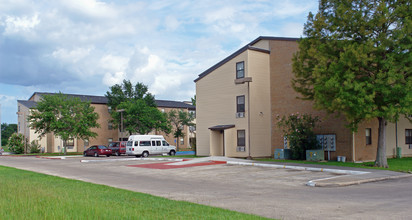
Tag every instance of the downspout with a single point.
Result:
(353, 147)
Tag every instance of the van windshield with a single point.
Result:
(165, 143)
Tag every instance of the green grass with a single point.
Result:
(29, 195)
(400, 165)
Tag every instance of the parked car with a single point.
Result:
(97, 150)
(143, 145)
(118, 147)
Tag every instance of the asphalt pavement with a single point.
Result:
(273, 190)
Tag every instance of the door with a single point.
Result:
(156, 146)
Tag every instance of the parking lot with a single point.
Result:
(270, 192)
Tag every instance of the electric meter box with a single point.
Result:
(283, 154)
(315, 155)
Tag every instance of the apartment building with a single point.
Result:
(239, 97)
(105, 134)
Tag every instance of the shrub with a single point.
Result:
(298, 128)
(16, 143)
(34, 147)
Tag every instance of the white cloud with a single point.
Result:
(110, 79)
(292, 29)
(91, 8)
(290, 8)
(171, 23)
(20, 24)
(85, 46)
(114, 63)
(71, 56)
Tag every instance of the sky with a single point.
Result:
(86, 46)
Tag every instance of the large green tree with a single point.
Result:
(6, 131)
(137, 107)
(355, 59)
(67, 117)
(179, 119)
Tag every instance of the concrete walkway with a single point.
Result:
(346, 175)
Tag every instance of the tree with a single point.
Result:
(356, 61)
(16, 143)
(137, 107)
(67, 117)
(194, 100)
(178, 119)
(298, 128)
(141, 118)
(6, 131)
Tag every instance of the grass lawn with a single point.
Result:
(400, 165)
(30, 195)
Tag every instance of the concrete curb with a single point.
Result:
(131, 159)
(336, 171)
(355, 182)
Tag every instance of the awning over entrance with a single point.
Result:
(221, 127)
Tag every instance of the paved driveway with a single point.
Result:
(269, 192)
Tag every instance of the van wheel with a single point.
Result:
(145, 154)
(96, 154)
(108, 155)
(172, 153)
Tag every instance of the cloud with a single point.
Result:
(15, 25)
(85, 46)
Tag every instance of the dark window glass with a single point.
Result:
(240, 103)
(408, 136)
(241, 138)
(368, 132)
(144, 143)
(240, 70)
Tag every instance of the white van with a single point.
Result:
(143, 145)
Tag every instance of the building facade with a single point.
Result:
(239, 98)
(105, 134)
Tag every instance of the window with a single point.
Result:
(110, 125)
(240, 70)
(241, 138)
(109, 109)
(368, 132)
(86, 142)
(182, 141)
(144, 143)
(163, 110)
(70, 142)
(240, 103)
(110, 140)
(408, 137)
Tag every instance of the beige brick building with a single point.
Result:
(105, 134)
(239, 97)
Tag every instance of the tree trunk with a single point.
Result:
(177, 143)
(381, 160)
(64, 146)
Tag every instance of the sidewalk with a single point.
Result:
(346, 175)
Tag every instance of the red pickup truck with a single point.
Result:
(118, 147)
